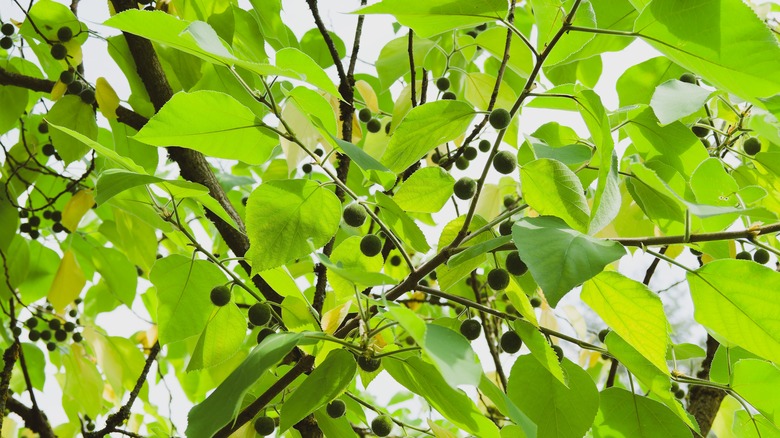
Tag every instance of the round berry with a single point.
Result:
(744, 255)
(535, 302)
(369, 364)
(761, 256)
(443, 84)
(87, 96)
(60, 335)
(382, 425)
(465, 188)
(448, 95)
(64, 34)
(470, 329)
(505, 162)
(6, 43)
(56, 215)
(58, 51)
(752, 146)
(43, 127)
(7, 29)
(688, 77)
(515, 265)
(511, 342)
(69, 326)
(259, 314)
(31, 323)
(306, 168)
(603, 335)
(67, 77)
(55, 324)
(462, 163)
(220, 295)
(498, 279)
(77, 337)
(51, 346)
(499, 118)
(265, 426)
(373, 126)
(470, 153)
(700, 131)
(336, 408)
(484, 145)
(264, 333)
(354, 215)
(505, 228)
(370, 245)
(364, 115)
(395, 260)
(75, 87)
(34, 335)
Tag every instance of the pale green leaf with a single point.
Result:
(426, 191)
(758, 382)
(540, 349)
(453, 356)
(674, 100)
(624, 414)
(71, 112)
(221, 338)
(552, 189)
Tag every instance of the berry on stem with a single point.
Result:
(58, 51)
(752, 146)
(364, 115)
(498, 279)
(370, 245)
(64, 34)
(382, 425)
(505, 162)
(511, 342)
(470, 329)
(220, 295)
(499, 118)
(515, 265)
(259, 314)
(761, 256)
(265, 426)
(373, 126)
(336, 409)
(354, 215)
(369, 364)
(465, 188)
(443, 84)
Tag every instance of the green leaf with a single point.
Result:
(14, 269)
(224, 403)
(119, 358)
(453, 356)
(520, 57)
(549, 16)
(313, 44)
(306, 68)
(324, 384)
(183, 288)
(393, 60)
(447, 275)
(674, 100)
(701, 36)
(424, 128)
(222, 337)
(633, 311)
(559, 257)
(736, 311)
(540, 349)
(426, 381)
(758, 382)
(506, 406)
(400, 222)
(118, 273)
(15, 101)
(70, 112)
(552, 189)
(622, 413)
(436, 16)
(478, 250)
(638, 83)
(124, 162)
(426, 191)
(558, 411)
(83, 387)
(212, 123)
(748, 425)
(282, 215)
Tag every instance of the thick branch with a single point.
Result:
(9, 359)
(704, 401)
(34, 419)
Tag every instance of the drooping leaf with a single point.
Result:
(68, 282)
(70, 112)
(552, 189)
(221, 338)
(674, 100)
(540, 349)
(559, 257)
(622, 413)
(283, 215)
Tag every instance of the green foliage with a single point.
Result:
(227, 270)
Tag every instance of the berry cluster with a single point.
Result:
(33, 224)
(8, 31)
(53, 329)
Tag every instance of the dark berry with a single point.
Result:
(470, 153)
(34, 335)
(680, 394)
(69, 326)
(264, 333)
(382, 425)
(465, 188)
(498, 279)
(511, 342)
(515, 265)
(75, 87)
(535, 302)
(443, 84)
(54, 324)
(373, 126)
(761, 256)
(558, 352)
(744, 255)
(354, 215)
(499, 118)
(6, 43)
(34, 234)
(56, 215)
(47, 214)
(72, 313)
(364, 115)
(88, 96)
(752, 146)
(336, 408)
(43, 127)
(462, 163)
(505, 162)
(34, 221)
(370, 245)
(603, 335)
(470, 329)
(369, 364)
(25, 228)
(32, 322)
(700, 131)
(319, 152)
(688, 77)
(17, 331)
(51, 346)
(395, 260)
(306, 168)
(58, 51)
(505, 228)
(77, 337)
(220, 295)
(448, 95)
(7, 29)
(60, 335)
(64, 34)
(67, 77)
(265, 426)
(46, 335)
(259, 314)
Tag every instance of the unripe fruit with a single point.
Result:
(64, 34)
(32, 322)
(69, 326)
(744, 255)
(603, 335)
(354, 215)
(449, 95)
(499, 118)
(58, 51)
(265, 426)
(498, 279)
(43, 127)
(443, 84)
(55, 324)
(511, 342)
(700, 131)
(370, 245)
(77, 337)
(465, 188)
(535, 301)
(515, 265)
(470, 153)
(75, 87)
(7, 29)
(761, 256)
(306, 168)
(67, 77)
(336, 408)
(462, 163)
(220, 295)
(505, 228)
(688, 77)
(374, 125)
(484, 145)
(264, 333)
(60, 335)
(88, 96)
(259, 314)
(752, 146)
(680, 393)
(382, 425)
(51, 346)
(470, 329)
(34, 335)
(395, 260)
(369, 364)
(505, 162)
(558, 352)
(364, 115)
(6, 43)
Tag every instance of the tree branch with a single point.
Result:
(35, 420)
(9, 358)
(704, 401)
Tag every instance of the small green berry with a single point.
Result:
(382, 425)
(465, 188)
(688, 77)
(470, 153)
(603, 335)
(64, 34)
(484, 145)
(752, 146)
(373, 126)
(448, 95)
(744, 255)
(264, 333)
(511, 342)
(700, 131)
(395, 260)
(515, 265)
(220, 295)
(505, 228)
(265, 426)
(58, 51)
(443, 84)
(259, 314)
(369, 364)
(499, 118)
(505, 162)
(498, 279)
(370, 245)
(470, 329)
(761, 256)
(462, 163)
(354, 215)
(75, 87)
(7, 29)
(680, 394)
(558, 352)
(336, 409)
(535, 302)
(364, 115)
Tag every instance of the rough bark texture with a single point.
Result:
(704, 402)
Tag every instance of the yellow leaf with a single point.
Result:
(415, 302)
(369, 96)
(106, 97)
(76, 208)
(67, 283)
(333, 317)
(58, 90)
